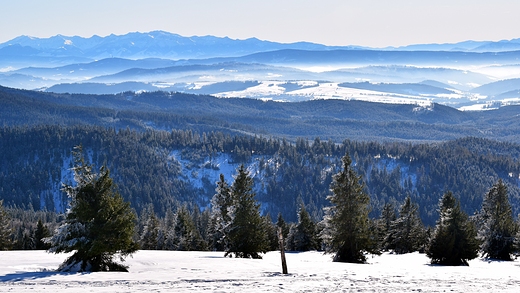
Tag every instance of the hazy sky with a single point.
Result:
(376, 23)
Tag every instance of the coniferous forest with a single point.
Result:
(189, 188)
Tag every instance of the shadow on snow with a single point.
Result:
(25, 276)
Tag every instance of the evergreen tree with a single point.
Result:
(280, 222)
(170, 241)
(203, 225)
(302, 236)
(454, 239)
(23, 239)
(272, 233)
(285, 229)
(384, 223)
(406, 233)
(246, 234)
(40, 233)
(346, 222)
(187, 236)
(169, 221)
(98, 225)
(221, 204)
(5, 230)
(497, 226)
(150, 234)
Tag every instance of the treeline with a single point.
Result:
(25, 229)
(235, 226)
(328, 119)
(35, 161)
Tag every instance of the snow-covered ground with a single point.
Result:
(327, 90)
(173, 271)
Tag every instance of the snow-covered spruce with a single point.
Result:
(346, 224)
(497, 227)
(99, 224)
(246, 231)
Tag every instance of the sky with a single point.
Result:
(373, 23)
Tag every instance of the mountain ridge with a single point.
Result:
(154, 43)
(57, 41)
(161, 60)
(328, 119)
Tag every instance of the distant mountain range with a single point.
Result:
(157, 44)
(162, 44)
(466, 75)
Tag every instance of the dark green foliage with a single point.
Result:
(40, 233)
(454, 239)
(5, 230)
(187, 236)
(280, 223)
(22, 237)
(26, 229)
(406, 233)
(272, 233)
(99, 224)
(497, 227)
(247, 236)
(202, 221)
(303, 235)
(383, 226)
(149, 168)
(346, 224)
(333, 119)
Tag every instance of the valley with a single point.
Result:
(167, 128)
(469, 76)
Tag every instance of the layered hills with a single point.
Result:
(462, 73)
(168, 114)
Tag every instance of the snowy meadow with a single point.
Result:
(176, 271)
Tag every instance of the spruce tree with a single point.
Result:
(384, 223)
(5, 230)
(98, 225)
(272, 233)
(406, 233)
(187, 236)
(454, 240)
(346, 222)
(497, 227)
(150, 234)
(246, 234)
(280, 223)
(202, 222)
(302, 236)
(41, 233)
(221, 205)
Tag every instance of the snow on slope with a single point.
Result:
(327, 90)
(175, 271)
(213, 167)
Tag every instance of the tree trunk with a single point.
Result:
(282, 250)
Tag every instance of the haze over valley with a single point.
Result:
(468, 75)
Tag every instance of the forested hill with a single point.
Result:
(167, 168)
(327, 119)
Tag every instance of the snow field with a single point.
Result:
(176, 271)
